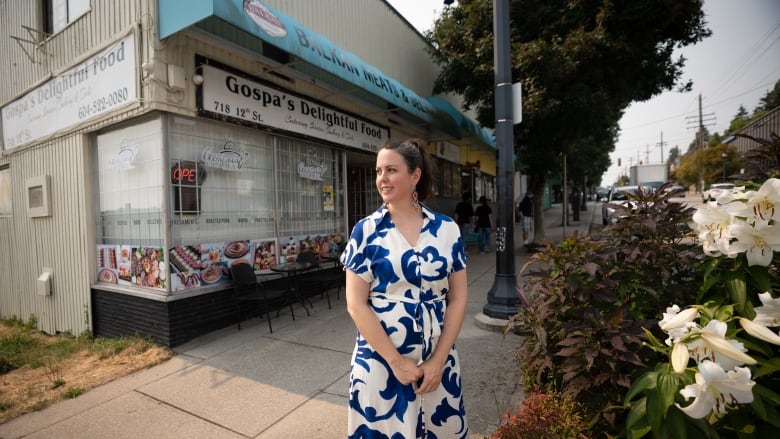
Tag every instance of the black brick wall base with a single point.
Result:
(168, 323)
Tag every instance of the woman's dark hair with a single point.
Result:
(416, 156)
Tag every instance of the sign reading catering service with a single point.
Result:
(229, 94)
(98, 85)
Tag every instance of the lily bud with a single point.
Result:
(758, 331)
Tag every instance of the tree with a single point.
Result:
(770, 101)
(741, 119)
(581, 64)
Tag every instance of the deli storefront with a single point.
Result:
(172, 220)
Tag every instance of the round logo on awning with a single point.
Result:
(264, 18)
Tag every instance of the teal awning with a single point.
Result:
(285, 33)
(468, 126)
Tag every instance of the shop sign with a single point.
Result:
(125, 157)
(93, 88)
(234, 96)
(312, 168)
(229, 158)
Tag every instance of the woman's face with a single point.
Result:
(393, 180)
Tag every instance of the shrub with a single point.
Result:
(544, 415)
(590, 298)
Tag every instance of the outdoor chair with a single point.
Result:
(325, 279)
(249, 291)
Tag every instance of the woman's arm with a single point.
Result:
(457, 298)
(405, 369)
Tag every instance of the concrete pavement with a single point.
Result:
(289, 384)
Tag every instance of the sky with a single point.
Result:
(737, 65)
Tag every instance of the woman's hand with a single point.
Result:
(406, 370)
(432, 371)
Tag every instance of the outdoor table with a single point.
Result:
(291, 270)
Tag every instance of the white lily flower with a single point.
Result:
(769, 313)
(758, 331)
(715, 389)
(674, 318)
(712, 227)
(713, 346)
(764, 204)
(678, 324)
(680, 357)
(759, 242)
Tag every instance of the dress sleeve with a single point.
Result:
(354, 256)
(458, 248)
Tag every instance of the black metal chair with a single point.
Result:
(249, 290)
(324, 279)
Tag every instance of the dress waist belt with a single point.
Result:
(425, 317)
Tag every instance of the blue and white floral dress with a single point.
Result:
(407, 290)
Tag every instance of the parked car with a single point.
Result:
(715, 190)
(602, 193)
(618, 196)
(676, 190)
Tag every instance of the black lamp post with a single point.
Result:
(723, 156)
(502, 297)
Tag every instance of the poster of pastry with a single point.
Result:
(238, 252)
(265, 254)
(125, 265)
(106, 263)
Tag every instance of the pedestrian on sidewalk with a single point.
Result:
(526, 207)
(406, 290)
(464, 212)
(484, 224)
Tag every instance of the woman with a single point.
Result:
(406, 292)
(484, 224)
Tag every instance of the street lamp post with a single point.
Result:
(723, 156)
(502, 297)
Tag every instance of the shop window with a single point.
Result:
(59, 13)
(186, 179)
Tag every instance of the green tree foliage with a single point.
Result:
(581, 64)
(707, 164)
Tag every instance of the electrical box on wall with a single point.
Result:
(43, 285)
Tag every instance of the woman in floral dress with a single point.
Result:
(406, 292)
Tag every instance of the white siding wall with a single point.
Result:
(64, 240)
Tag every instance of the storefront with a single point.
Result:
(180, 169)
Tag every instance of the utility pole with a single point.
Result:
(661, 144)
(700, 141)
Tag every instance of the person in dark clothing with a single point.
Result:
(526, 208)
(484, 224)
(575, 198)
(464, 211)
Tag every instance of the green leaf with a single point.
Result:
(667, 386)
(766, 367)
(735, 283)
(646, 381)
(760, 277)
(637, 415)
(654, 416)
(675, 424)
(766, 394)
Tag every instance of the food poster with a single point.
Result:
(125, 265)
(106, 263)
(238, 252)
(149, 267)
(186, 266)
(290, 248)
(265, 254)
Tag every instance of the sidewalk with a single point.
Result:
(289, 384)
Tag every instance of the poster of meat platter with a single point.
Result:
(106, 263)
(149, 267)
(238, 252)
(186, 266)
(265, 254)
